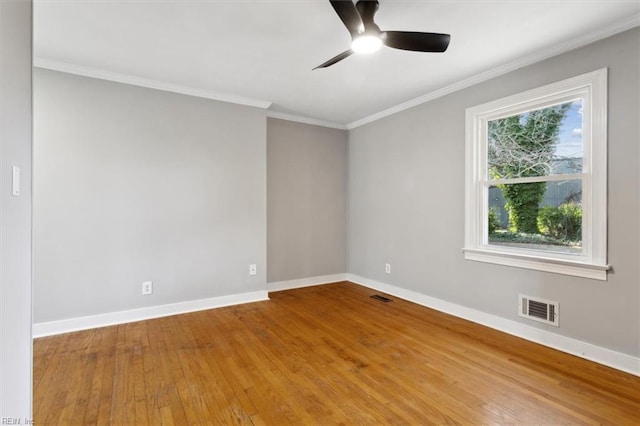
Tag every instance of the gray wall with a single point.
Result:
(306, 200)
(406, 205)
(133, 184)
(15, 212)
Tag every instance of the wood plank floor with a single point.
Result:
(319, 355)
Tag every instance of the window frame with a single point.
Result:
(592, 263)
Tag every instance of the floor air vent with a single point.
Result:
(381, 298)
(537, 309)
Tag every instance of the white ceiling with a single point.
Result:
(261, 52)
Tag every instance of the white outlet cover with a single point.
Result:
(147, 287)
(253, 269)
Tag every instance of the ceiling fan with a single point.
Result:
(366, 36)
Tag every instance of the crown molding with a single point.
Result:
(305, 120)
(627, 24)
(148, 83)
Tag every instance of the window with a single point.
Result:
(536, 179)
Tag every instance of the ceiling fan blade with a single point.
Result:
(348, 14)
(367, 9)
(335, 59)
(419, 42)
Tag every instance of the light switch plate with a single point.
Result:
(16, 182)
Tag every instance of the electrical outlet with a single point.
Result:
(253, 269)
(147, 288)
(387, 268)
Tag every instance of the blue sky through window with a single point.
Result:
(570, 138)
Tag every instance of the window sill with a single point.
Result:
(557, 266)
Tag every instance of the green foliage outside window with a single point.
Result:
(563, 222)
(494, 221)
(523, 146)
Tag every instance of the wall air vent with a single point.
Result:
(537, 309)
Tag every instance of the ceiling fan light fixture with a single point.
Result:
(366, 36)
(366, 44)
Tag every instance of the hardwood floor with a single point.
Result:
(319, 355)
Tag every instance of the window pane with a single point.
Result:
(537, 216)
(540, 142)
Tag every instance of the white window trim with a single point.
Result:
(592, 263)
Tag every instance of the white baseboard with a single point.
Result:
(305, 282)
(572, 346)
(617, 360)
(112, 318)
(121, 317)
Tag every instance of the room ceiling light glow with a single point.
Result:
(366, 44)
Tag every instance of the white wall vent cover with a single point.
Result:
(537, 309)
